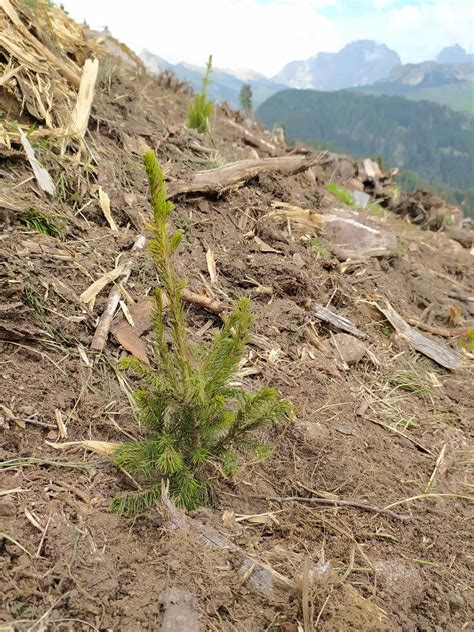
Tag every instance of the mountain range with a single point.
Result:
(363, 65)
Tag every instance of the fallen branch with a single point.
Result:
(238, 173)
(211, 304)
(334, 502)
(262, 577)
(253, 140)
(102, 331)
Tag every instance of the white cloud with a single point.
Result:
(265, 35)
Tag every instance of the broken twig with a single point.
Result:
(334, 502)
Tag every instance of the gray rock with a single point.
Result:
(352, 238)
(351, 349)
(361, 199)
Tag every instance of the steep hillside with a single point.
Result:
(358, 63)
(424, 137)
(362, 319)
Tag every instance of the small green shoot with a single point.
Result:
(412, 382)
(44, 223)
(467, 341)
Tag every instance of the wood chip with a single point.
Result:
(100, 447)
(104, 202)
(109, 277)
(340, 322)
(211, 266)
(42, 176)
(61, 425)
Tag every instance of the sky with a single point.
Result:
(264, 35)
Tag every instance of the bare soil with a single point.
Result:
(69, 564)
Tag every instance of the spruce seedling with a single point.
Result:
(201, 109)
(192, 413)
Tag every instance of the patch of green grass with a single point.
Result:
(342, 195)
(318, 246)
(375, 209)
(44, 223)
(412, 382)
(467, 342)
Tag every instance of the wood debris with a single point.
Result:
(41, 174)
(337, 321)
(235, 174)
(443, 355)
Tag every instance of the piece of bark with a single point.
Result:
(142, 314)
(252, 139)
(180, 614)
(235, 174)
(337, 321)
(444, 356)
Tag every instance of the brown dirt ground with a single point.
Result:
(83, 568)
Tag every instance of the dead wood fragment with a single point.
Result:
(252, 139)
(306, 218)
(102, 331)
(444, 356)
(340, 322)
(180, 614)
(263, 578)
(64, 69)
(142, 314)
(334, 502)
(438, 331)
(42, 176)
(211, 304)
(235, 174)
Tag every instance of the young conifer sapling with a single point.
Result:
(192, 413)
(200, 110)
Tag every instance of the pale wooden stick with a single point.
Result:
(335, 502)
(102, 331)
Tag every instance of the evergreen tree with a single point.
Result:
(192, 414)
(245, 99)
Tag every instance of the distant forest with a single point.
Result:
(432, 142)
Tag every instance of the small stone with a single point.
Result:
(7, 506)
(298, 260)
(351, 350)
(456, 601)
(312, 430)
(28, 410)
